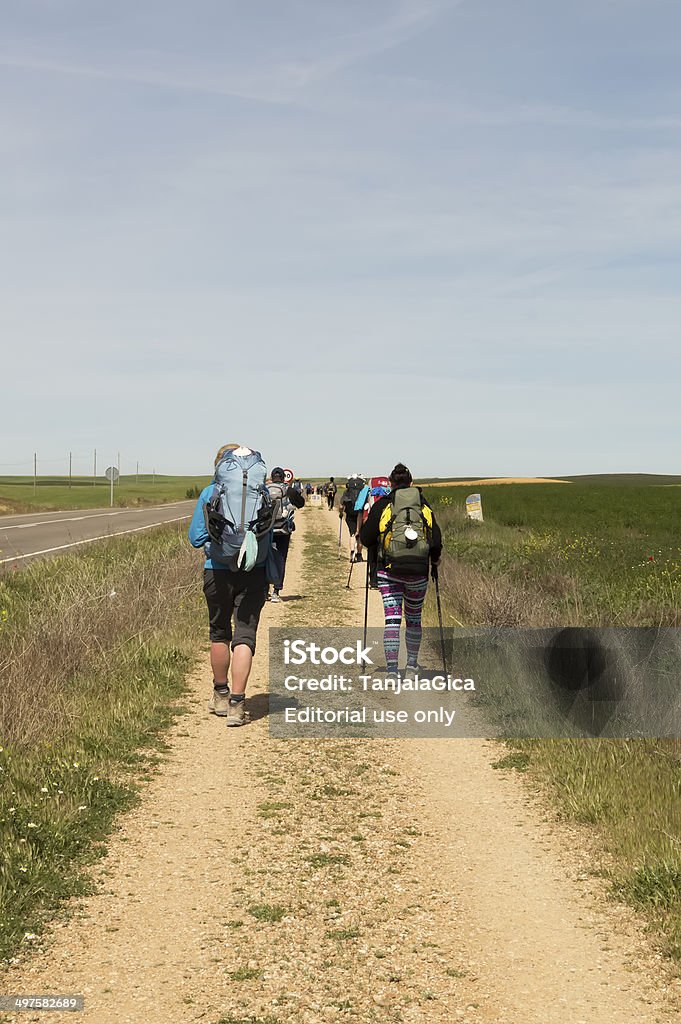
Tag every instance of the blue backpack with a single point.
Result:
(239, 513)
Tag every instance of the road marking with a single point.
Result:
(89, 540)
(77, 519)
(51, 522)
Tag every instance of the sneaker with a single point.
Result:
(411, 668)
(219, 703)
(275, 598)
(236, 713)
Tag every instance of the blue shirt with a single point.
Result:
(198, 534)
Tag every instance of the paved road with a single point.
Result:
(44, 533)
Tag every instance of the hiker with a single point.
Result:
(378, 487)
(402, 528)
(232, 522)
(285, 501)
(331, 491)
(348, 500)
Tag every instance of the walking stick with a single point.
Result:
(366, 600)
(352, 562)
(435, 576)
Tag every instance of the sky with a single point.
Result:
(446, 232)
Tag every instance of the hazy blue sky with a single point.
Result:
(343, 231)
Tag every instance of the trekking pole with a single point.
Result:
(352, 563)
(435, 576)
(366, 601)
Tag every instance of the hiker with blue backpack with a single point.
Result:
(378, 487)
(233, 522)
(285, 500)
(402, 529)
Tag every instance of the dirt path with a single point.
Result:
(267, 880)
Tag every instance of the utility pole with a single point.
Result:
(70, 467)
(35, 471)
(94, 471)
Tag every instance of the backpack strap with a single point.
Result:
(244, 493)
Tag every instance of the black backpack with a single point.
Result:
(354, 486)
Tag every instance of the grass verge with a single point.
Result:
(53, 493)
(94, 651)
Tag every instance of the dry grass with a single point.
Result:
(79, 614)
(475, 598)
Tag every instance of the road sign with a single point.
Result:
(112, 476)
(288, 476)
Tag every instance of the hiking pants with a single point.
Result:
(281, 543)
(235, 600)
(331, 498)
(397, 591)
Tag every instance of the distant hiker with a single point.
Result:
(232, 521)
(309, 489)
(331, 491)
(378, 487)
(402, 529)
(347, 509)
(285, 501)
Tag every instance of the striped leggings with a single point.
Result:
(396, 591)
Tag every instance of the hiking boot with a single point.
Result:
(219, 703)
(275, 598)
(236, 712)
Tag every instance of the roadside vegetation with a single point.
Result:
(94, 652)
(589, 554)
(550, 554)
(53, 493)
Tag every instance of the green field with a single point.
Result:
(579, 554)
(17, 493)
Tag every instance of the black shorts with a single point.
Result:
(238, 596)
(351, 520)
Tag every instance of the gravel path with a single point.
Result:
(266, 881)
